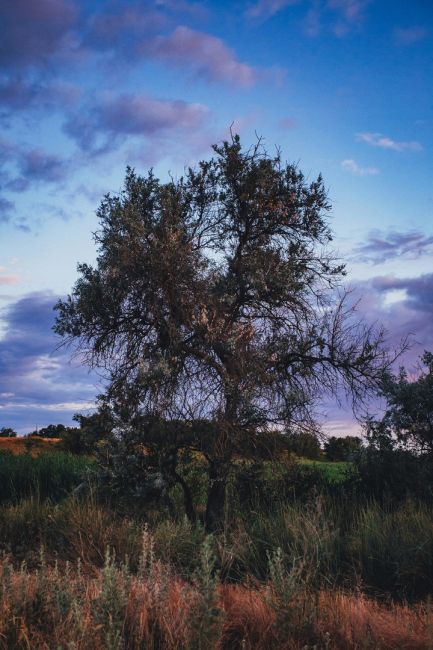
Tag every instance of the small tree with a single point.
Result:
(50, 431)
(7, 432)
(214, 306)
(408, 419)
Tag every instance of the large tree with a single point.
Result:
(215, 300)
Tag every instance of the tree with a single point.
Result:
(346, 448)
(7, 432)
(50, 431)
(305, 444)
(408, 419)
(92, 430)
(214, 300)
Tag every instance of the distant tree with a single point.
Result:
(304, 443)
(408, 419)
(344, 448)
(214, 300)
(50, 431)
(91, 430)
(7, 432)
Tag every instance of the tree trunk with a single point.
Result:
(187, 499)
(218, 474)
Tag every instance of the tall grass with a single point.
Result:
(64, 607)
(49, 475)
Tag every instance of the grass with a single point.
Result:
(32, 445)
(112, 608)
(333, 471)
(295, 567)
(47, 475)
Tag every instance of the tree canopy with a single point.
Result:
(408, 419)
(216, 299)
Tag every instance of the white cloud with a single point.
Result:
(382, 141)
(352, 166)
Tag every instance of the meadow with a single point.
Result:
(304, 561)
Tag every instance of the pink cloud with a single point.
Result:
(8, 279)
(382, 141)
(204, 54)
(287, 123)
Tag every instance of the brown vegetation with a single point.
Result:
(112, 608)
(33, 445)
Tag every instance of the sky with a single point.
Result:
(342, 87)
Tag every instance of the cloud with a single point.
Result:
(382, 141)
(37, 380)
(17, 93)
(410, 35)
(32, 31)
(99, 128)
(419, 290)
(287, 123)
(340, 16)
(350, 14)
(32, 165)
(6, 209)
(381, 247)
(353, 167)
(268, 8)
(206, 55)
(36, 165)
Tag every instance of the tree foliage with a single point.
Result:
(408, 419)
(7, 432)
(215, 299)
(344, 448)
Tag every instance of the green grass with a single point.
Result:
(334, 472)
(48, 475)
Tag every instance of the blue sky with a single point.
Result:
(343, 87)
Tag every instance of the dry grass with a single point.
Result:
(112, 609)
(32, 445)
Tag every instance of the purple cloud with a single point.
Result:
(36, 165)
(33, 31)
(38, 383)
(418, 290)
(111, 118)
(16, 93)
(381, 247)
(206, 55)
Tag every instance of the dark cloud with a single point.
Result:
(419, 290)
(32, 165)
(33, 30)
(18, 93)
(37, 381)
(36, 165)
(110, 120)
(381, 247)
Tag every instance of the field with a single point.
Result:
(32, 445)
(297, 566)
